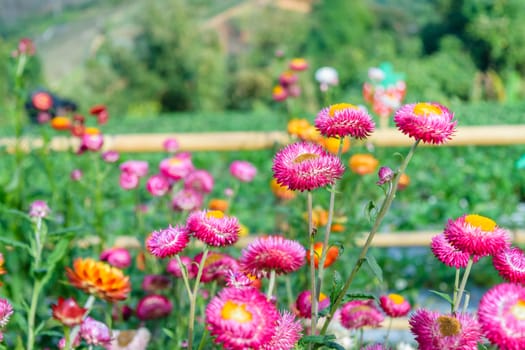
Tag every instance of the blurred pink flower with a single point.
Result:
(174, 268)
(187, 200)
(394, 305)
(216, 267)
(171, 145)
(94, 332)
(177, 167)
(118, 257)
(157, 185)
(153, 307)
(76, 174)
(110, 156)
(356, 314)
(199, 180)
(155, 283)
(128, 181)
(303, 303)
(242, 170)
(138, 168)
(39, 209)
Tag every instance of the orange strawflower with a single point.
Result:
(297, 126)
(2, 270)
(331, 144)
(99, 279)
(319, 217)
(218, 204)
(363, 164)
(281, 191)
(404, 181)
(331, 255)
(61, 123)
(336, 227)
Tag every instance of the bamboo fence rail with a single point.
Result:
(494, 135)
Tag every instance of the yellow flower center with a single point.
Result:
(92, 131)
(426, 109)
(449, 326)
(235, 312)
(278, 90)
(481, 222)
(339, 107)
(396, 298)
(174, 161)
(215, 214)
(518, 309)
(322, 296)
(304, 157)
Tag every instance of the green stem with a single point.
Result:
(379, 219)
(32, 315)
(388, 332)
(271, 285)
(313, 292)
(203, 339)
(193, 298)
(456, 287)
(462, 285)
(67, 337)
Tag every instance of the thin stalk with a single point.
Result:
(379, 219)
(74, 332)
(67, 337)
(462, 285)
(203, 339)
(312, 264)
(271, 285)
(37, 288)
(388, 331)
(193, 298)
(456, 287)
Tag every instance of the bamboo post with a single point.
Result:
(495, 135)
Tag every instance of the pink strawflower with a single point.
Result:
(91, 142)
(94, 332)
(303, 304)
(501, 313)
(199, 180)
(157, 185)
(128, 180)
(118, 257)
(447, 254)
(39, 209)
(306, 166)
(168, 242)
(155, 283)
(26, 47)
(110, 156)
(171, 145)
(429, 122)
(394, 305)
(356, 314)
(376, 347)
(153, 306)
(241, 318)
(279, 93)
(272, 253)
(136, 167)
(6, 310)
(213, 227)
(287, 333)
(237, 279)
(174, 268)
(293, 90)
(217, 266)
(288, 78)
(187, 199)
(385, 175)
(436, 331)
(243, 171)
(76, 175)
(177, 167)
(476, 235)
(510, 264)
(344, 119)
(131, 339)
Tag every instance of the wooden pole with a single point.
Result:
(496, 135)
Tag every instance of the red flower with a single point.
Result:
(101, 112)
(68, 312)
(42, 101)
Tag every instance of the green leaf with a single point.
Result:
(370, 210)
(442, 295)
(58, 253)
(169, 333)
(321, 340)
(15, 180)
(357, 296)
(374, 267)
(15, 243)
(337, 285)
(65, 231)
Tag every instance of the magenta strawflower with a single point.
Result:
(214, 228)
(385, 175)
(128, 181)
(356, 314)
(429, 122)
(510, 264)
(476, 235)
(158, 185)
(237, 279)
(76, 175)
(110, 156)
(177, 167)
(394, 305)
(6, 310)
(91, 142)
(118, 257)
(217, 266)
(436, 331)
(242, 170)
(168, 242)
(155, 283)
(136, 167)
(200, 181)
(170, 145)
(187, 199)
(447, 254)
(94, 332)
(174, 268)
(306, 166)
(303, 303)
(287, 333)
(153, 306)
(272, 253)
(241, 318)
(344, 119)
(501, 313)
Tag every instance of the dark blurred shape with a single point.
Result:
(42, 105)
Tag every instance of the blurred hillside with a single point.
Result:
(192, 55)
